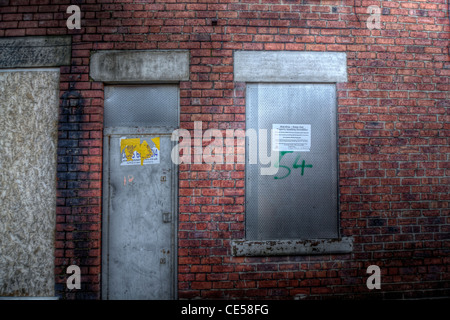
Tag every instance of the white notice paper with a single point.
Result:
(291, 137)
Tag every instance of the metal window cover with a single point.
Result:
(142, 106)
(298, 206)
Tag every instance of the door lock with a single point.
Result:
(167, 217)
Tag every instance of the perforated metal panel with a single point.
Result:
(139, 199)
(300, 201)
(141, 106)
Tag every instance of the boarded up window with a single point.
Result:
(28, 138)
(300, 200)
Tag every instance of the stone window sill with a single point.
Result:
(291, 247)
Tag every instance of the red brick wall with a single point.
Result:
(393, 124)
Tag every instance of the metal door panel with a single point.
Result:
(140, 243)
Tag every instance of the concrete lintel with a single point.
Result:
(35, 51)
(291, 247)
(290, 66)
(128, 66)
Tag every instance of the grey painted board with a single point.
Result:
(119, 66)
(36, 51)
(139, 227)
(290, 66)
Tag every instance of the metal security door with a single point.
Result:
(140, 221)
(139, 199)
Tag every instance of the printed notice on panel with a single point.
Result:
(135, 153)
(291, 137)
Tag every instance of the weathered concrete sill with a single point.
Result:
(291, 247)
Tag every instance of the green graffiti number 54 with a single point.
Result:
(295, 165)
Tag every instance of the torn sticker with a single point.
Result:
(134, 152)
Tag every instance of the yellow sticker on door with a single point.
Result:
(134, 152)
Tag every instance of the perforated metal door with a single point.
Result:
(300, 201)
(139, 192)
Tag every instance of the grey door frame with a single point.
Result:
(121, 131)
